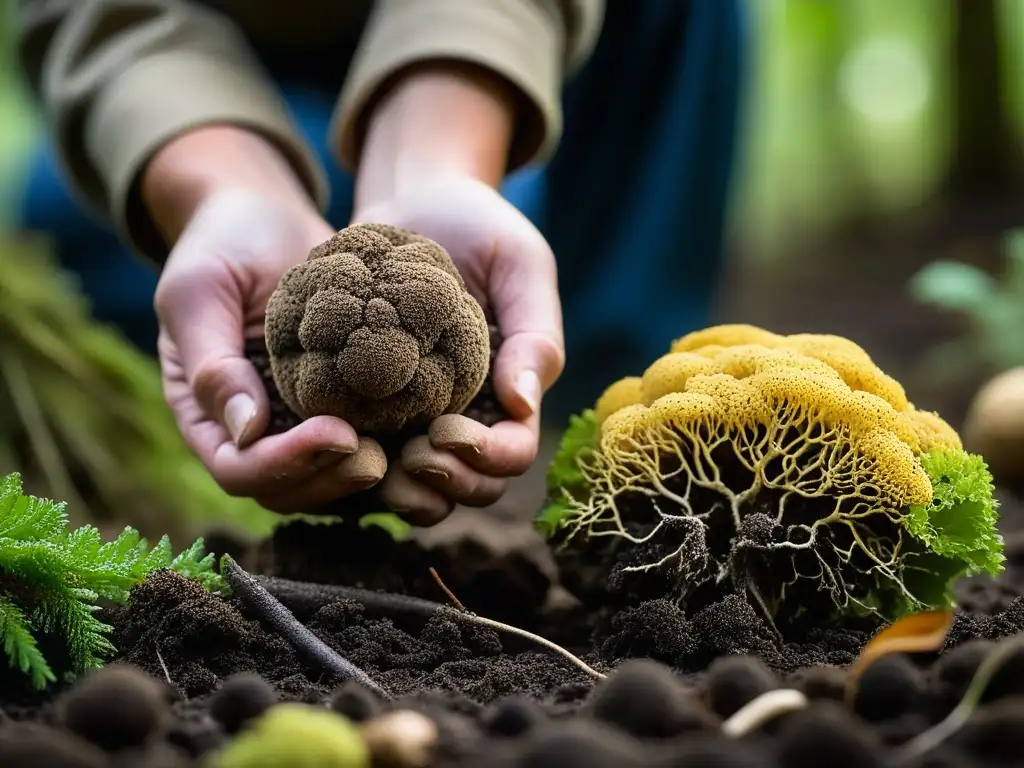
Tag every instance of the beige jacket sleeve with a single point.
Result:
(119, 78)
(533, 44)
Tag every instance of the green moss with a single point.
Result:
(565, 478)
(298, 736)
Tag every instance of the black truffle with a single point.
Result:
(243, 697)
(646, 699)
(354, 701)
(734, 681)
(512, 716)
(890, 688)
(116, 707)
(827, 731)
(377, 328)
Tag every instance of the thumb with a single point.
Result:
(202, 314)
(528, 311)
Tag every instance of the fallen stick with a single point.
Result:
(267, 607)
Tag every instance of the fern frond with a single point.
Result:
(51, 578)
(20, 645)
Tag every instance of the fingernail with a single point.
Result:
(238, 415)
(328, 457)
(528, 387)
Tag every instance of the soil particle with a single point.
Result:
(117, 707)
(890, 688)
(648, 700)
(828, 729)
(242, 698)
(734, 681)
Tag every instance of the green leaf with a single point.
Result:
(580, 437)
(956, 533)
(390, 522)
(565, 476)
(953, 285)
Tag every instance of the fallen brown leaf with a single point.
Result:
(922, 632)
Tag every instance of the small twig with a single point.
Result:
(444, 588)
(955, 720)
(763, 709)
(264, 605)
(163, 666)
(316, 595)
(460, 611)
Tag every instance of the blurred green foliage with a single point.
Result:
(993, 307)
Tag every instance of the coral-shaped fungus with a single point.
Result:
(376, 327)
(788, 468)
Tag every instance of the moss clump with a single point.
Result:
(296, 735)
(787, 468)
(377, 328)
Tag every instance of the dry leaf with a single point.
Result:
(923, 632)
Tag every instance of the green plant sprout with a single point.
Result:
(787, 468)
(52, 578)
(994, 309)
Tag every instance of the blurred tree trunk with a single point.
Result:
(984, 157)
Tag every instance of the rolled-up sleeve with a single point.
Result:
(117, 79)
(532, 44)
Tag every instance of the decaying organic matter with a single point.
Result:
(377, 328)
(788, 469)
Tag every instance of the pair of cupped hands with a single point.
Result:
(232, 248)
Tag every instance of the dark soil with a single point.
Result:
(194, 670)
(498, 700)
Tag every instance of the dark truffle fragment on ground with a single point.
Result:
(996, 732)
(31, 745)
(827, 731)
(242, 698)
(196, 737)
(115, 707)
(511, 716)
(823, 682)
(581, 744)
(734, 681)
(890, 688)
(354, 701)
(646, 699)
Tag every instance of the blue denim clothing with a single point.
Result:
(633, 203)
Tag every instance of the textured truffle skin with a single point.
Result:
(376, 328)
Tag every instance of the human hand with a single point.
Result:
(234, 245)
(510, 269)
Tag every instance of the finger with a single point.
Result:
(202, 311)
(355, 473)
(274, 463)
(505, 450)
(445, 472)
(524, 292)
(416, 502)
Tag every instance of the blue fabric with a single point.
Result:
(633, 203)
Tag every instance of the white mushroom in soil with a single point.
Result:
(400, 739)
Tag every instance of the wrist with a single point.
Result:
(199, 164)
(437, 121)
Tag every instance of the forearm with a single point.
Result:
(438, 120)
(211, 159)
